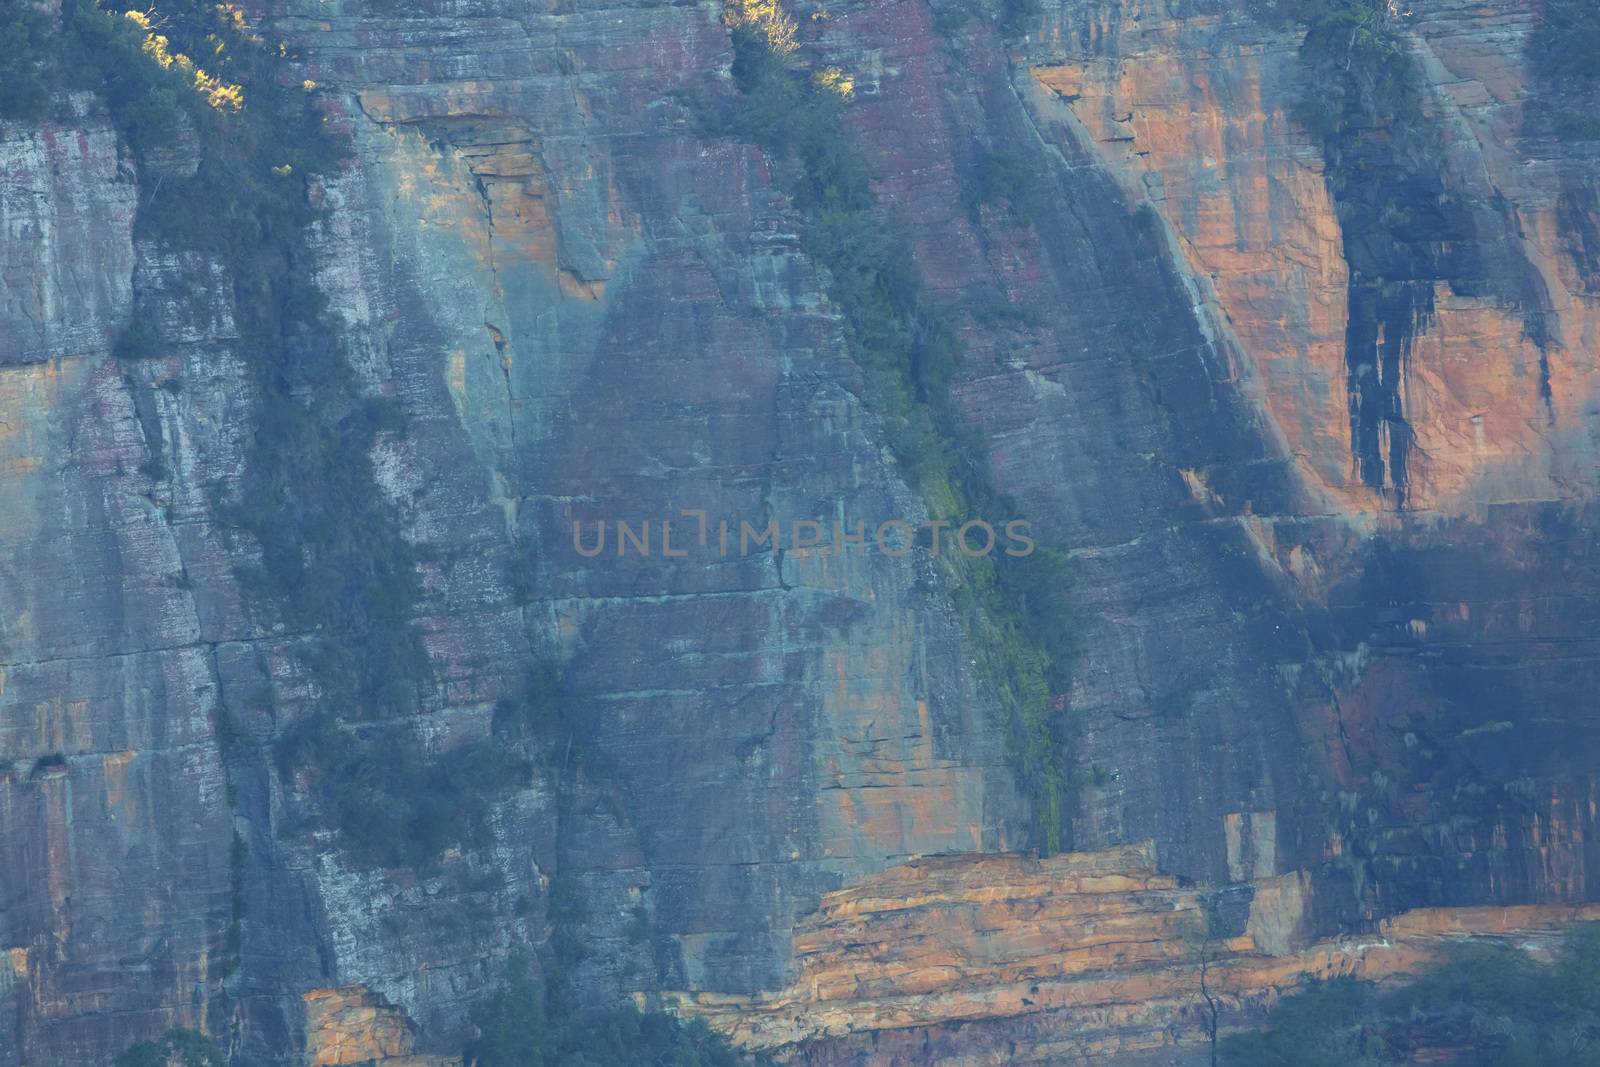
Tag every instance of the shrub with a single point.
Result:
(1004, 180)
(1017, 15)
(392, 804)
(538, 708)
(1363, 103)
(1320, 1026)
(49, 761)
(1567, 40)
(518, 1028)
(25, 48)
(767, 21)
(175, 1048)
(139, 341)
(334, 564)
(1490, 1000)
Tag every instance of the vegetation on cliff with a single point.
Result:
(1018, 609)
(1489, 1005)
(227, 151)
(520, 1027)
(140, 64)
(1566, 43)
(24, 42)
(1563, 54)
(175, 1048)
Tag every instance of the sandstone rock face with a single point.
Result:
(114, 871)
(1189, 107)
(1325, 709)
(1185, 109)
(351, 1025)
(67, 200)
(1081, 958)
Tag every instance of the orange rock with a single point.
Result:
(1119, 956)
(351, 1024)
(1203, 135)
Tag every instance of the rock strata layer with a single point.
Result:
(1080, 958)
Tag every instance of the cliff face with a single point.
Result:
(1409, 642)
(1346, 685)
(1192, 116)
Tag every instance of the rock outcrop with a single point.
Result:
(352, 1026)
(1081, 958)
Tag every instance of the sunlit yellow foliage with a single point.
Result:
(767, 18)
(835, 80)
(218, 93)
(233, 15)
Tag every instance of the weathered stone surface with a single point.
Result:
(67, 198)
(1081, 958)
(590, 309)
(351, 1025)
(1190, 110)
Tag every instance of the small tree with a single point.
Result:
(175, 1048)
(24, 44)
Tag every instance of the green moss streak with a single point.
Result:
(1016, 610)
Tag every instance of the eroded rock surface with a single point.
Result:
(1329, 708)
(1081, 958)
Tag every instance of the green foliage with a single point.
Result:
(1563, 52)
(1322, 1026)
(1004, 180)
(25, 46)
(102, 51)
(1005, 313)
(1363, 102)
(392, 804)
(1040, 584)
(1363, 80)
(334, 565)
(765, 20)
(1567, 41)
(517, 1028)
(1016, 609)
(1017, 15)
(139, 341)
(332, 554)
(1491, 999)
(567, 911)
(333, 558)
(538, 708)
(511, 1024)
(175, 1048)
